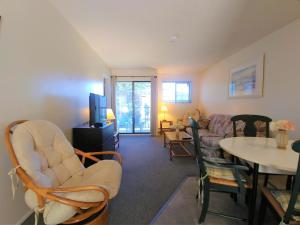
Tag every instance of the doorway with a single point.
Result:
(133, 107)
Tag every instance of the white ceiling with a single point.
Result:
(139, 33)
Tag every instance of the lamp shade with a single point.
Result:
(164, 108)
(110, 114)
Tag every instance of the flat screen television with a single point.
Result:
(97, 105)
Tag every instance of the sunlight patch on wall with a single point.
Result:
(96, 87)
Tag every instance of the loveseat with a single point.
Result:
(217, 127)
(212, 130)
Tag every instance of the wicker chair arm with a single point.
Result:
(86, 155)
(50, 194)
(116, 154)
(91, 156)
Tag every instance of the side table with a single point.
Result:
(163, 128)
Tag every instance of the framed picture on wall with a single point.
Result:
(247, 81)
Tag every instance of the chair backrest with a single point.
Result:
(250, 128)
(197, 148)
(43, 152)
(295, 191)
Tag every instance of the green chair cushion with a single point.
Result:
(220, 172)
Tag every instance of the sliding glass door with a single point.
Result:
(133, 106)
(124, 106)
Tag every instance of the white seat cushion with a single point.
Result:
(106, 174)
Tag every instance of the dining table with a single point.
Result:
(264, 157)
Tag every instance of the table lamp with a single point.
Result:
(164, 109)
(110, 115)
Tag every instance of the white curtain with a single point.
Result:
(154, 105)
(113, 96)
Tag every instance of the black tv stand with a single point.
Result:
(94, 139)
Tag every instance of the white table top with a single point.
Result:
(262, 151)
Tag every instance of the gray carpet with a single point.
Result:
(149, 179)
(183, 209)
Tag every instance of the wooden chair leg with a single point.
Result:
(232, 159)
(247, 197)
(204, 205)
(266, 180)
(262, 210)
(234, 197)
(289, 182)
(198, 195)
(222, 153)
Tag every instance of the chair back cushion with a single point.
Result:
(44, 153)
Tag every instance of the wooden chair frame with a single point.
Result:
(44, 194)
(267, 197)
(250, 130)
(209, 184)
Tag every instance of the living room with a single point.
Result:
(157, 63)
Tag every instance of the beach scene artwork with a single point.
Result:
(246, 81)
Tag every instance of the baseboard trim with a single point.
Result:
(22, 220)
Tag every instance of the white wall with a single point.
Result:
(177, 110)
(281, 84)
(46, 72)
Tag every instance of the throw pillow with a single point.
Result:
(203, 123)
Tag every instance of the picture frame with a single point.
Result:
(247, 81)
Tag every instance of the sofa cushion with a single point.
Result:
(203, 123)
(201, 132)
(220, 124)
(211, 153)
(211, 141)
(206, 137)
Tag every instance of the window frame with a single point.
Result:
(189, 83)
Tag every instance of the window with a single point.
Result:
(176, 91)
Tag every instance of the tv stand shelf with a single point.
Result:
(92, 139)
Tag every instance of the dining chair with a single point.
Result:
(254, 125)
(217, 175)
(285, 203)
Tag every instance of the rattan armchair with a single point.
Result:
(56, 182)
